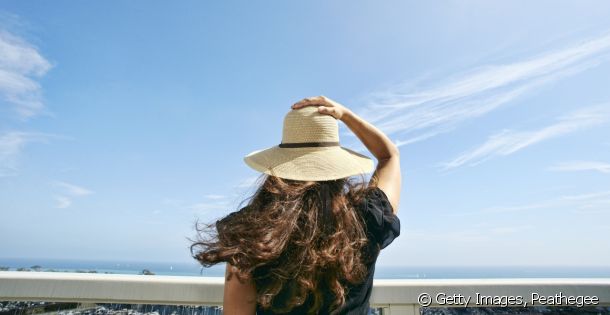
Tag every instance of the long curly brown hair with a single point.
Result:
(293, 238)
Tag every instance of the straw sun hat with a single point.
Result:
(309, 150)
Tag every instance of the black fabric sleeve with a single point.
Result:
(383, 225)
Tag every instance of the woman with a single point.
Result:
(308, 239)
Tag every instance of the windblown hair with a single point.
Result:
(287, 243)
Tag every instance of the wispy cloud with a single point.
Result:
(417, 114)
(12, 144)
(589, 202)
(594, 202)
(63, 202)
(21, 65)
(69, 191)
(208, 206)
(215, 197)
(73, 190)
(572, 166)
(213, 202)
(508, 142)
(472, 235)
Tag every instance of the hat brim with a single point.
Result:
(309, 163)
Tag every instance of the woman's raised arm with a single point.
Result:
(386, 152)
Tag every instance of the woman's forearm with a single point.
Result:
(374, 139)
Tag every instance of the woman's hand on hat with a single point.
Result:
(325, 106)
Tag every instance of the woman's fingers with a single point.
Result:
(304, 103)
(329, 111)
(306, 100)
(324, 105)
(317, 100)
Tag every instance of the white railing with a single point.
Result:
(395, 296)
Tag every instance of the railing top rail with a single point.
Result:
(195, 290)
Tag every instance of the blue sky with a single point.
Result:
(121, 122)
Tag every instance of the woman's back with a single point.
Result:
(382, 227)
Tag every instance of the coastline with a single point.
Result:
(381, 272)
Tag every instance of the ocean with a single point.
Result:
(381, 272)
